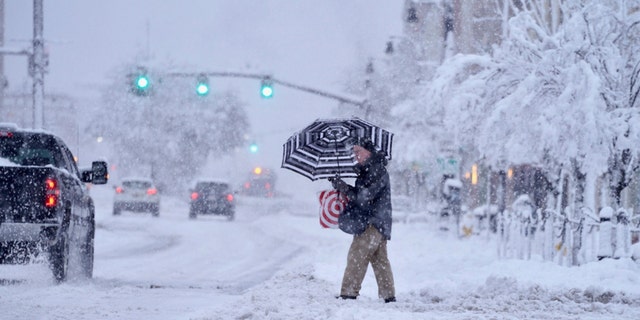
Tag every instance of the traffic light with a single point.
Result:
(202, 86)
(266, 88)
(253, 148)
(141, 83)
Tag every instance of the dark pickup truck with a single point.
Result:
(45, 206)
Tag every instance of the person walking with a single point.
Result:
(370, 200)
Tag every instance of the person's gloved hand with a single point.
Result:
(338, 184)
(334, 182)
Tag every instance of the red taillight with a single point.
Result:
(194, 195)
(50, 201)
(51, 184)
(247, 185)
(152, 191)
(52, 193)
(267, 185)
(230, 197)
(119, 190)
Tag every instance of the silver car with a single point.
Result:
(138, 195)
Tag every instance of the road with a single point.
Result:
(148, 267)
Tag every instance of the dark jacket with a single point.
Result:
(371, 195)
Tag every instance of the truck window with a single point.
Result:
(10, 146)
(31, 150)
(36, 157)
(70, 162)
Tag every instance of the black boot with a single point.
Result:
(345, 297)
(392, 299)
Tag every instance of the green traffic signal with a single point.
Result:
(266, 92)
(253, 148)
(142, 82)
(139, 81)
(202, 87)
(266, 88)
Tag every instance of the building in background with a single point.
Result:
(443, 28)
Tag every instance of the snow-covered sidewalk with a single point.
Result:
(437, 277)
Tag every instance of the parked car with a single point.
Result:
(212, 197)
(45, 205)
(137, 195)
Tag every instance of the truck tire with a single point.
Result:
(87, 258)
(87, 250)
(59, 258)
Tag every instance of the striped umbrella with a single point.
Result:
(324, 148)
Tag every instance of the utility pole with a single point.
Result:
(37, 64)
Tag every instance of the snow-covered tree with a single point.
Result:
(588, 62)
(613, 31)
(559, 91)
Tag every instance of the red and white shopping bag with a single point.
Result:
(332, 203)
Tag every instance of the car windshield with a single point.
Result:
(29, 150)
(137, 184)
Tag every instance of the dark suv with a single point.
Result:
(212, 197)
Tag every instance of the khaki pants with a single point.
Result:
(368, 247)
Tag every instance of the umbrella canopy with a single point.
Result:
(324, 148)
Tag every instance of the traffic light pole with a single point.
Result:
(320, 93)
(38, 64)
(275, 81)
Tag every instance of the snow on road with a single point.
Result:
(275, 262)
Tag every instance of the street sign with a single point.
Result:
(448, 165)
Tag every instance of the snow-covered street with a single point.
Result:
(275, 262)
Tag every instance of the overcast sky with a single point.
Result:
(311, 42)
